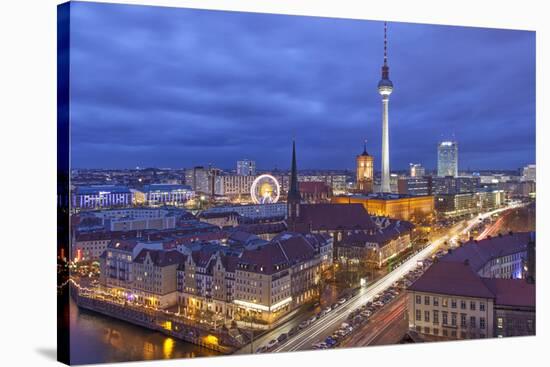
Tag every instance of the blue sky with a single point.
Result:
(170, 87)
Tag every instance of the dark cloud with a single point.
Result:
(166, 87)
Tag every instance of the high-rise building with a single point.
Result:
(198, 179)
(415, 186)
(246, 167)
(416, 170)
(365, 171)
(447, 159)
(529, 173)
(385, 88)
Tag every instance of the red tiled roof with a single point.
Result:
(160, 258)
(314, 187)
(478, 253)
(512, 292)
(334, 217)
(381, 236)
(123, 245)
(452, 278)
(282, 252)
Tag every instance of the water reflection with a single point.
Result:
(96, 338)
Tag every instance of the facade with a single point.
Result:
(167, 194)
(529, 173)
(231, 185)
(447, 159)
(456, 205)
(259, 285)
(246, 168)
(376, 247)
(89, 246)
(220, 219)
(137, 219)
(254, 211)
(315, 192)
(502, 257)
(475, 291)
(455, 185)
(415, 185)
(101, 196)
(116, 264)
(416, 170)
(337, 183)
(402, 207)
(364, 172)
(206, 283)
(199, 179)
(154, 278)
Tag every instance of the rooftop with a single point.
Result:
(478, 253)
(334, 217)
(166, 187)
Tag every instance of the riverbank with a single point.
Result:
(159, 321)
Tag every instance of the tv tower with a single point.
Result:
(385, 87)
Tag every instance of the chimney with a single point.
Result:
(500, 235)
(511, 233)
(471, 238)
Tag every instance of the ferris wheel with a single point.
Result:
(265, 190)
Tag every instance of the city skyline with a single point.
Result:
(184, 97)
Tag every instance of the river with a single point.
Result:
(99, 339)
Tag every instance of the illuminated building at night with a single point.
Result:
(415, 186)
(529, 173)
(154, 274)
(167, 194)
(403, 207)
(246, 168)
(263, 283)
(333, 219)
(416, 170)
(198, 178)
(456, 205)
(447, 159)
(376, 247)
(101, 196)
(252, 210)
(476, 291)
(364, 172)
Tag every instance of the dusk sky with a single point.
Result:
(170, 87)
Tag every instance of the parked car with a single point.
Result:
(261, 349)
(272, 343)
(283, 337)
(293, 331)
(303, 324)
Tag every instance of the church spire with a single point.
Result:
(294, 191)
(293, 197)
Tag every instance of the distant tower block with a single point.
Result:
(365, 171)
(385, 87)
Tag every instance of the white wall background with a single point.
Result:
(28, 183)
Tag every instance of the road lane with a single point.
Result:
(330, 323)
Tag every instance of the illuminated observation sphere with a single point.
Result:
(265, 190)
